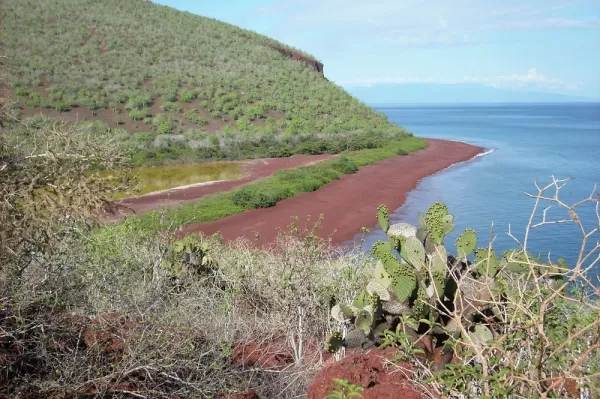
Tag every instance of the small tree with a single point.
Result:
(51, 182)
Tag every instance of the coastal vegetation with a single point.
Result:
(135, 311)
(189, 87)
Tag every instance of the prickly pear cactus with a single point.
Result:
(413, 252)
(382, 276)
(356, 338)
(439, 260)
(394, 307)
(466, 243)
(374, 288)
(487, 262)
(447, 224)
(419, 285)
(421, 306)
(364, 320)
(383, 217)
(481, 336)
(404, 279)
(402, 230)
(362, 299)
(337, 314)
(516, 261)
(435, 222)
(335, 342)
(380, 249)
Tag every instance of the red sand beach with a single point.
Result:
(347, 204)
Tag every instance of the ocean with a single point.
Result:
(525, 144)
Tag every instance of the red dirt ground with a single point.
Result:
(253, 170)
(373, 371)
(348, 203)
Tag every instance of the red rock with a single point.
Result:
(372, 371)
(266, 355)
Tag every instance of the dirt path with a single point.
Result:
(253, 170)
(348, 203)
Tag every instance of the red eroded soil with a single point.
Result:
(373, 371)
(252, 170)
(348, 203)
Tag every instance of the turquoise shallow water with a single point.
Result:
(525, 143)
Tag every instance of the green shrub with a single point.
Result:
(61, 107)
(170, 107)
(139, 114)
(138, 101)
(253, 198)
(193, 116)
(187, 95)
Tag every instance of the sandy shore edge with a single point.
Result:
(347, 204)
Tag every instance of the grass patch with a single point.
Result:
(158, 178)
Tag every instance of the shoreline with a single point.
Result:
(347, 204)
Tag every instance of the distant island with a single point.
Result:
(422, 93)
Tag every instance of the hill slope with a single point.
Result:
(151, 68)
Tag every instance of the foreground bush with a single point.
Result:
(120, 312)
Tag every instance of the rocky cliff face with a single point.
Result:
(316, 65)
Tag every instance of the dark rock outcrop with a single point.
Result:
(311, 62)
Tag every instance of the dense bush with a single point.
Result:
(267, 146)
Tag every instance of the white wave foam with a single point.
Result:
(481, 154)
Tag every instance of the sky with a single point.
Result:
(534, 46)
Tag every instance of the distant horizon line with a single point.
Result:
(484, 104)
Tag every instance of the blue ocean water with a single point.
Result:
(525, 143)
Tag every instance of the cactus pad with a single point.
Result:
(487, 262)
(448, 224)
(421, 305)
(396, 307)
(435, 222)
(453, 328)
(363, 321)
(516, 261)
(337, 314)
(404, 282)
(362, 299)
(380, 249)
(481, 335)
(347, 311)
(335, 342)
(439, 260)
(466, 243)
(402, 230)
(374, 288)
(383, 217)
(382, 276)
(413, 252)
(439, 280)
(355, 338)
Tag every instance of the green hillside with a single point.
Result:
(154, 70)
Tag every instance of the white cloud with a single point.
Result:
(531, 79)
(551, 23)
(425, 23)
